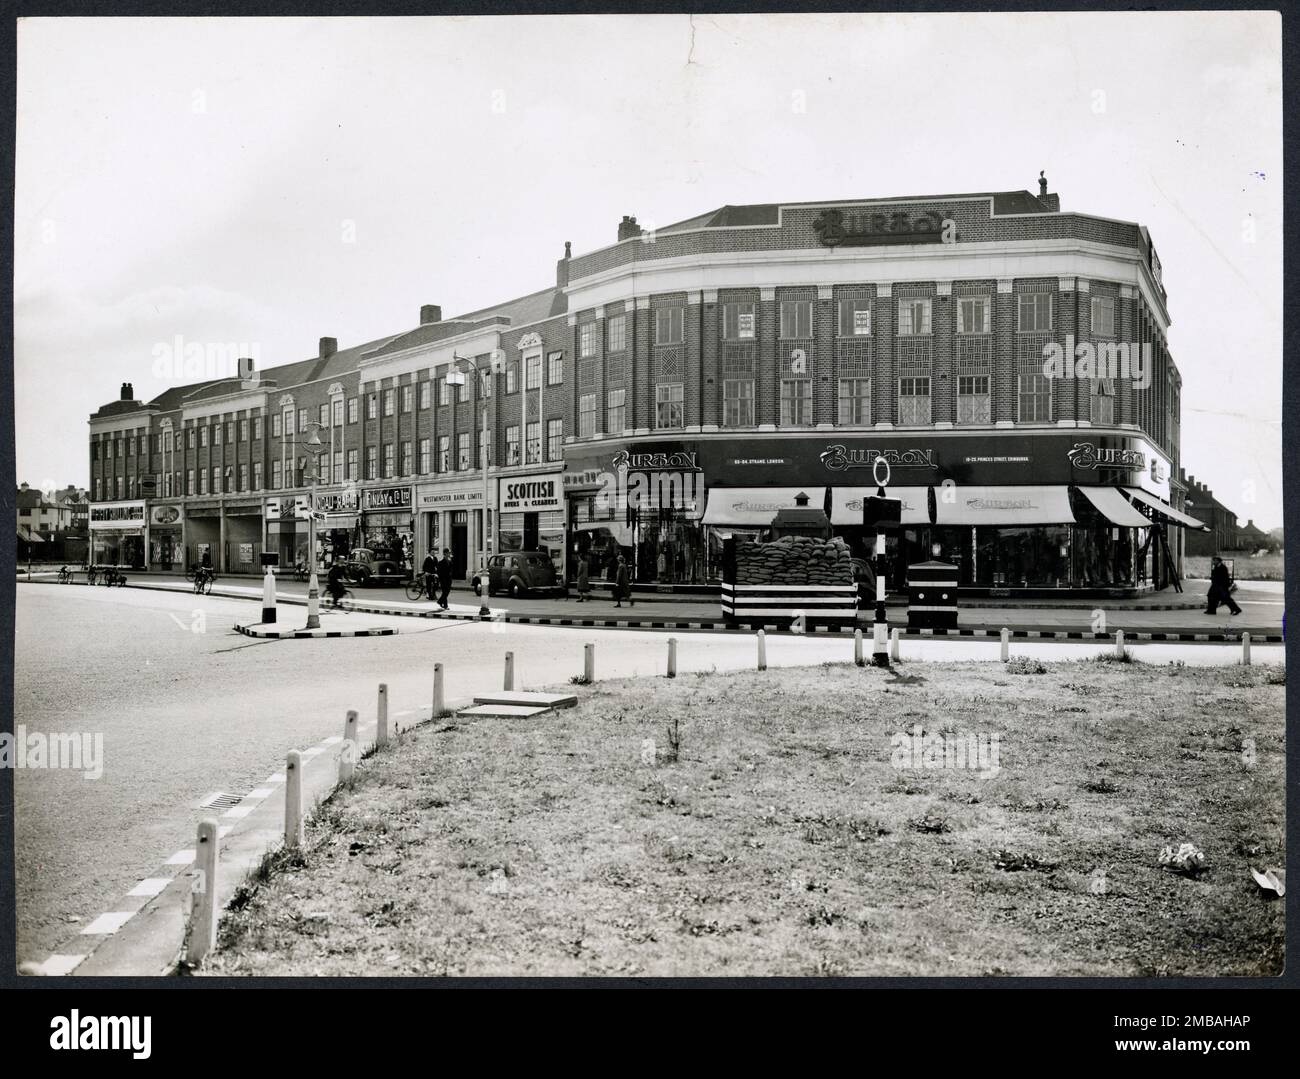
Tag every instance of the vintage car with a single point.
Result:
(365, 566)
(519, 573)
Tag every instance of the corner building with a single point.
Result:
(715, 369)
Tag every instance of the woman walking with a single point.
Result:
(584, 583)
(621, 588)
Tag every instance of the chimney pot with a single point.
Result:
(128, 392)
(628, 228)
(328, 346)
(430, 313)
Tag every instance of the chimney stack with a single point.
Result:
(430, 313)
(328, 346)
(628, 229)
(128, 392)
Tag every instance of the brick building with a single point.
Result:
(684, 384)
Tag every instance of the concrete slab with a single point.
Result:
(518, 696)
(503, 711)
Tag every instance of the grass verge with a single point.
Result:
(783, 839)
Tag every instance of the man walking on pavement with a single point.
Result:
(621, 589)
(430, 570)
(1220, 588)
(444, 577)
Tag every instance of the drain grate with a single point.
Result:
(221, 800)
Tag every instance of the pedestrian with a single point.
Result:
(334, 584)
(622, 590)
(430, 570)
(1220, 588)
(444, 577)
(584, 583)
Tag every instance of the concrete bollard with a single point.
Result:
(293, 820)
(589, 662)
(858, 657)
(672, 657)
(1006, 644)
(762, 650)
(348, 758)
(439, 698)
(894, 635)
(381, 716)
(1119, 644)
(510, 671)
(1245, 649)
(202, 936)
(268, 598)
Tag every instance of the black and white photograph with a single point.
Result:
(636, 497)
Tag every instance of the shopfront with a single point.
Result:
(388, 524)
(1017, 511)
(166, 550)
(532, 515)
(450, 515)
(340, 528)
(118, 532)
(286, 535)
(242, 536)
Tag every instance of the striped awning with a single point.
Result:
(1009, 506)
(1171, 515)
(1114, 507)
(846, 504)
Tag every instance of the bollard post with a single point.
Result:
(439, 700)
(589, 662)
(510, 671)
(857, 648)
(202, 937)
(268, 598)
(348, 758)
(293, 822)
(672, 657)
(1119, 644)
(381, 716)
(762, 650)
(1245, 649)
(894, 635)
(1006, 644)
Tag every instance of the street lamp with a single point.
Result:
(313, 445)
(457, 378)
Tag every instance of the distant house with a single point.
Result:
(1225, 534)
(53, 526)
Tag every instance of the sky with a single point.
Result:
(269, 182)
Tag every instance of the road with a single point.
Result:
(187, 708)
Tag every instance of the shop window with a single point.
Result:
(973, 314)
(973, 399)
(738, 402)
(372, 462)
(1103, 316)
(555, 365)
(587, 339)
(796, 402)
(668, 326)
(855, 401)
(738, 321)
(616, 411)
(796, 320)
(444, 453)
(669, 405)
(512, 445)
(554, 440)
(462, 451)
(616, 333)
(855, 318)
(1035, 397)
(913, 400)
(586, 415)
(1035, 312)
(533, 444)
(913, 316)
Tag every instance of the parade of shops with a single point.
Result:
(684, 385)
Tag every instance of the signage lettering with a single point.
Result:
(387, 498)
(1086, 455)
(840, 458)
(836, 228)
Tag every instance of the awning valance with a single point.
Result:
(1173, 516)
(1020, 505)
(1114, 507)
(846, 504)
(755, 506)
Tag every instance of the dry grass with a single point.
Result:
(783, 840)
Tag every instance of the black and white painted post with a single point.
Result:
(880, 512)
(268, 598)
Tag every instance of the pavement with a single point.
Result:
(188, 709)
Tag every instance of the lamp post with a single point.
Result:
(313, 445)
(880, 512)
(494, 367)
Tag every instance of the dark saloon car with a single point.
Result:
(521, 573)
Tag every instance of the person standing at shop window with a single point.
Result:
(444, 577)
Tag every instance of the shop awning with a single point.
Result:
(1114, 507)
(754, 507)
(28, 535)
(1173, 516)
(846, 504)
(1010, 506)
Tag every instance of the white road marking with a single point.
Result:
(107, 924)
(224, 831)
(150, 886)
(259, 794)
(332, 740)
(239, 811)
(59, 965)
(277, 777)
(181, 857)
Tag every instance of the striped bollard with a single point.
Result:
(381, 716)
(202, 935)
(1006, 644)
(268, 598)
(293, 822)
(510, 671)
(672, 657)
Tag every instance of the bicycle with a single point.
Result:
(417, 588)
(92, 574)
(300, 572)
(336, 602)
(203, 578)
(114, 576)
(66, 576)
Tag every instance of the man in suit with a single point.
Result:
(444, 577)
(429, 568)
(1220, 588)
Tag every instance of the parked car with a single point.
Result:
(365, 566)
(519, 573)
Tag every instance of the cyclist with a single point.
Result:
(334, 584)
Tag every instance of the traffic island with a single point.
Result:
(337, 627)
(819, 822)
